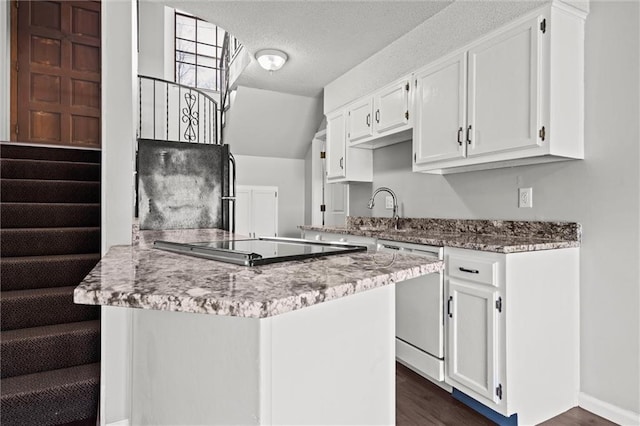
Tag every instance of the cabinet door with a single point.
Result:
(336, 145)
(242, 208)
(360, 126)
(264, 203)
(472, 337)
(391, 107)
(440, 103)
(504, 91)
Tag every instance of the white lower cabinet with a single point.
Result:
(472, 337)
(512, 330)
(256, 212)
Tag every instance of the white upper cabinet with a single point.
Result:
(343, 163)
(523, 102)
(360, 126)
(335, 153)
(391, 107)
(382, 118)
(504, 91)
(440, 104)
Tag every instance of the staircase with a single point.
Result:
(49, 241)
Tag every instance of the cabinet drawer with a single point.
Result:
(479, 270)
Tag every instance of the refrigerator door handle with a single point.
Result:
(232, 197)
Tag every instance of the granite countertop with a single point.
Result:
(498, 236)
(139, 276)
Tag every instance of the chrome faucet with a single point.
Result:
(395, 203)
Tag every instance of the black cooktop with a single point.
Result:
(259, 251)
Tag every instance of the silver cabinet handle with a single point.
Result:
(369, 120)
(378, 115)
(342, 162)
(449, 307)
(460, 136)
(470, 271)
(469, 134)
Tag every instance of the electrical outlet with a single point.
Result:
(525, 197)
(388, 202)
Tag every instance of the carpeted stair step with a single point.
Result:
(51, 397)
(32, 350)
(31, 272)
(49, 191)
(42, 306)
(48, 241)
(50, 154)
(48, 170)
(49, 215)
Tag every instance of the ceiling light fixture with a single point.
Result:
(271, 59)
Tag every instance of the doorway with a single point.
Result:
(55, 73)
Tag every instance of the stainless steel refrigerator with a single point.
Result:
(182, 185)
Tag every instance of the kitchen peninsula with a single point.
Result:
(215, 343)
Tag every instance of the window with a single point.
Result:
(198, 48)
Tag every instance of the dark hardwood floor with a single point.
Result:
(420, 402)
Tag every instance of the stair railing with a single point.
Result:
(174, 112)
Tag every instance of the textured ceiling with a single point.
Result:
(323, 39)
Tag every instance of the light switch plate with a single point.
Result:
(525, 197)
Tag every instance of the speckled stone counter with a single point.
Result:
(139, 276)
(499, 236)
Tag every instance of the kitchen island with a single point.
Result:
(215, 343)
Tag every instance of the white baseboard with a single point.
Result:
(124, 422)
(608, 411)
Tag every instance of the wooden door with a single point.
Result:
(56, 72)
(504, 91)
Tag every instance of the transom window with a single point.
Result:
(198, 47)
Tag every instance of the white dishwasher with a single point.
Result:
(419, 314)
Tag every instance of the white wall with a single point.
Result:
(119, 66)
(5, 70)
(288, 176)
(602, 192)
(155, 56)
(272, 124)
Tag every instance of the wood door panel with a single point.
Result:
(45, 126)
(85, 93)
(57, 72)
(45, 51)
(85, 22)
(85, 130)
(85, 58)
(45, 88)
(46, 14)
